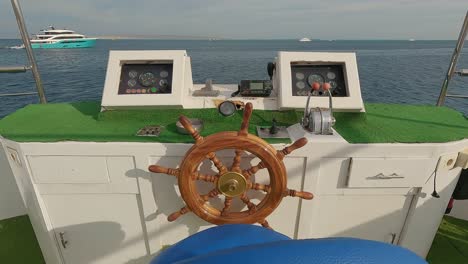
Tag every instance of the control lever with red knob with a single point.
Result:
(316, 86)
(319, 120)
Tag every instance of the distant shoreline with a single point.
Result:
(117, 37)
(158, 37)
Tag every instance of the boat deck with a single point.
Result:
(451, 242)
(382, 123)
(450, 245)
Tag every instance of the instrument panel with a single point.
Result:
(303, 76)
(146, 79)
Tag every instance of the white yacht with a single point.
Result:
(52, 38)
(305, 40)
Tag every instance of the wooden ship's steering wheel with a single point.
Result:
(232, 182)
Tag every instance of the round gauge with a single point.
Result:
(313, 78)
(163, 83)
(300, 85)
(227, 108)
(164, 74)
(132, 74)
(333, 84)
(147, 79)
(331, 75)
(300, 76)
(131, 82)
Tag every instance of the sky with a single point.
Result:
(244, 19)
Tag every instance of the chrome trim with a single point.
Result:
(27, 44)
(453, 62)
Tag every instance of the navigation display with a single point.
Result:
(256, 86)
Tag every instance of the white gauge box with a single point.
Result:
(182, 81)
(283, 80)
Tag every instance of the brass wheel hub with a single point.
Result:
(232, 184)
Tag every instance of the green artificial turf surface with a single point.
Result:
(450, 245)
(18, 243)
(84, 122)
(395, 123)
(382, 123)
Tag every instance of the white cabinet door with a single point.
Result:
(97, 228)
(379, 218)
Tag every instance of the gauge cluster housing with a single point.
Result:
(147, 79)
(296, 71)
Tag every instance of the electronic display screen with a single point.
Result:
(256, 86)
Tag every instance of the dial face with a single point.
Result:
(163, 83)
(132, 74)
(331, 75)
(315, 78)
(300, 76)
(227, 108)
(300, 85)
(132, 82)
(147, 79)
(164, 74)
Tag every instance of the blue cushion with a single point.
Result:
(244, 244)
(218, 238)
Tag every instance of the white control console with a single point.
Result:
(163, 79)
(147, 79)
(296, 72)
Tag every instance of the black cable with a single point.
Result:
(234, 94)
(434, 193)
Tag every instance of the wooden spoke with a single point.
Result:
(303, 195)
(246, 119)
(234, 185)
(192, 131)
(160, 169)
(227, 205)
(237, 160)
(212, 194)
(260, 187)
(219, 165)
(172, 217)
(252, 170)
(252, 207)
(287, 150)
(204, 177)
(265, 223)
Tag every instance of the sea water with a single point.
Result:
(390, 71)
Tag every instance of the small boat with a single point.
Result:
(52, 38)
(412, 39)
(16, 47)
(305, 40)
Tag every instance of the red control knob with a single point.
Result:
(326, 86)
(315, 86)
